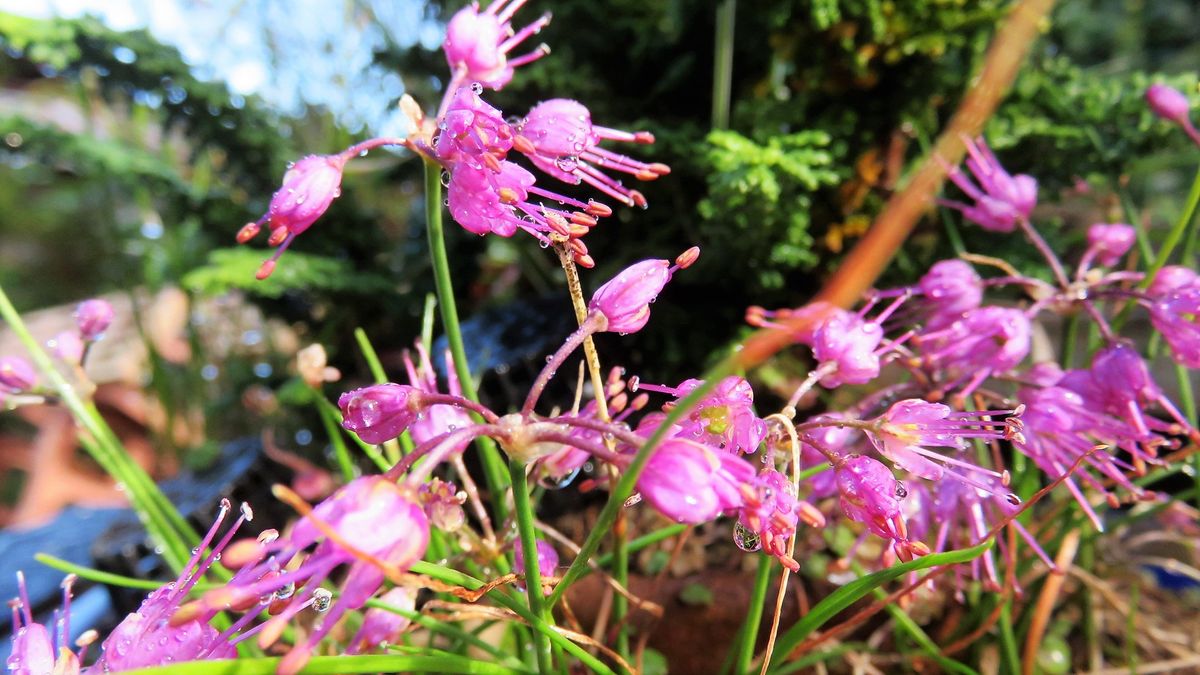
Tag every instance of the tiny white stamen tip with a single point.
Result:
(247, 512)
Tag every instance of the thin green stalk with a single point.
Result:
(1131, 650)
(489, 455)
(335, 415)
(525, 517)
(340, 452)
(165, 525)
(1008, 640)
(628, 480)
(1177, 232)
(621, 576)
(450, 630)
(758, 600)
(722, 92)
(328, 665)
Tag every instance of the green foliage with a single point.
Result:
(234, 268)
(758, 191)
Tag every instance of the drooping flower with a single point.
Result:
(1000, 199)
(1109, 242)
(692, 483)
(1172, 278)
(436, 419)
(952, 288)
(35, 651)
(833, 440)
(547, 559)
(771, 512)
(369, 524)
(16, 375)
(309, 187)
(148, 638)
(847, 345)
(983, 342)
(802, 322)
(1171, 105)
(559, 138)
(473, 131)
(1177, 317)
(381, 412)
(478, 43)
(381, 627)
(93, 317)
(910, 427)
(624, 301)
(724, 419)
(870, 495)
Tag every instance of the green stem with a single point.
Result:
(1008, 640)
(450, 630)
(335, 414)
(723, 64)
(328, 665)
(758, 600)
(169, 529)
(1176, 233)
(334, 432)
(523, 513)
(489, 454)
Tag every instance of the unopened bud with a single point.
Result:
(265, 270)
(248, 232)
(687, 258)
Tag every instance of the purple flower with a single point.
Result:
(868, 493)
(1177, 317)
(1000, 199)
(93, 317)
(984, 341)
(380, 412)
(624, 301)
(692, 483)
(16, 375)
(309, 187)
(381, 627)
(724, 419)
(443, 502)
(148, 638)
(832, 439)
(435, 419)
(952, 288)
(559, 138)
(369, 524)
(771, 512)
(547, 559)
(472, 131)
(904, 433)
(847, 345)
(34, 650)
(1108, 243)
(1168, 103)
(1172, 278)
(478, 43)
(67, 346)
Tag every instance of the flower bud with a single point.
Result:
(380, 412)
(691, 483)
(1110, 242)
(93, 318)
(16, 374)
(1168, 103)
(1172, 278)
(547, 559)
(67, 346)
(625, 299)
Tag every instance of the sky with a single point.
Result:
(290, 52)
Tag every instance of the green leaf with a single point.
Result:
(234, 269)
(696, 594)
(856, 590)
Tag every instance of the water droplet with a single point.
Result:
(901, 491)
(544, 243)
(362, 153)
(745, 538)
(322, 600)
(476, 88)
(286, 592)
(445, 179)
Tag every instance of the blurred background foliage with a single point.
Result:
(125, 164)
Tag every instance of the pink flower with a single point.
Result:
(1000, 199)
(34, 651)
(478, 43)
(309, 187)
(93, 317)
(1177, 317)
(847, 344)
(624, 301)
(1172, 278)
(376, 523)
(868, 495)
(952, 288)
(1168, 103)
(67, 346)
(381, 627)
(472, 131)
(499, 201)
(442, 502)
(16, 375)
(772, 512)
(147, 637)
(547, 559)
(380, 412)
(436, 419)
(1110, 242)
(559, 138)
(724, 419)
(984, 341)
(691, 483)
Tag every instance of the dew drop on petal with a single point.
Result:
(745, 538)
